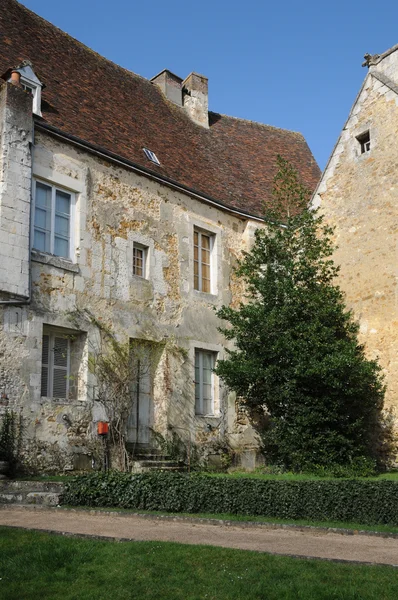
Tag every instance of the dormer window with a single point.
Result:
(30, 83)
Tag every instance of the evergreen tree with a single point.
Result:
(297, 358)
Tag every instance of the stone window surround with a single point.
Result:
(218, 389)
(73, 186)
(203, 242)
(200, 398)
(215, 257)
(148, 244)
(77, 350)
(52, 334)
(72, 217)
(54, 261)
(144, 249)
(355, 145)
(364, 141)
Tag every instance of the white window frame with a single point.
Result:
(145, 261)
(54, 189)
(212, 238)
(52, 334)
(36, 93)
(199, 410)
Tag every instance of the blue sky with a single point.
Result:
(291, 64)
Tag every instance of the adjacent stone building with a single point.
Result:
(124, 204)
(358, 194)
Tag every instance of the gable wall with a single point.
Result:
(358, 195)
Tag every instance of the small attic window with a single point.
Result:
(364, 142)
(27, 88)
(30, 83)
(151, 156)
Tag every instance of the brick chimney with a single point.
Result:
(170, 85)
(196, 98)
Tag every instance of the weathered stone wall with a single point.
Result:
(16, 126)
(115, 208)
(358, 194)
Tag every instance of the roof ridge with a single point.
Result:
(256, 123)
(78, 42)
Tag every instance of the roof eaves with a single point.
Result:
(99, 151)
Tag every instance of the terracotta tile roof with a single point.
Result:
(90, 97)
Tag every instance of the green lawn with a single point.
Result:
(259, 474)
(41, 566)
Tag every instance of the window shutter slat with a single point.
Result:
(44, 365)
(45, 349)
(60, 352)
(60, 382)
(44, 380)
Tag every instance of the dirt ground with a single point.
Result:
(294, 542)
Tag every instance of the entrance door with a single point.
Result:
(138, 427)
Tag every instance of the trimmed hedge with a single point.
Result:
(366, 502)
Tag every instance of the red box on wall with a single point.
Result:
(102, 427)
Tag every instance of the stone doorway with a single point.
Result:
(140, 419)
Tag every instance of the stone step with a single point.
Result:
(138, 449)
(178, 469)
(150, 457)
(159, 464)
(140, 466)
(31, 492)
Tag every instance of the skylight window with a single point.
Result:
(151, 156)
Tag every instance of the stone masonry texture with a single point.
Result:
(358, 195)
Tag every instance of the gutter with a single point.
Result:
(115, 158)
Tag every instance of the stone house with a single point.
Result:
(358, 194)
(124, 204)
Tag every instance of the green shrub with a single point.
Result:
(359, 467)
(10, 438)
(367, 502)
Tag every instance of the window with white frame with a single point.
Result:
(204, 382)
(55, 365)
(202, 250)
(53, 217)
(30, 83)
(140, 259)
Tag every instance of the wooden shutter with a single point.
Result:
(44, 365)
(60, 367)
(198, 399)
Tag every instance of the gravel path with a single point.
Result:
(293, 542)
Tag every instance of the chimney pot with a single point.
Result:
(16, 77)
